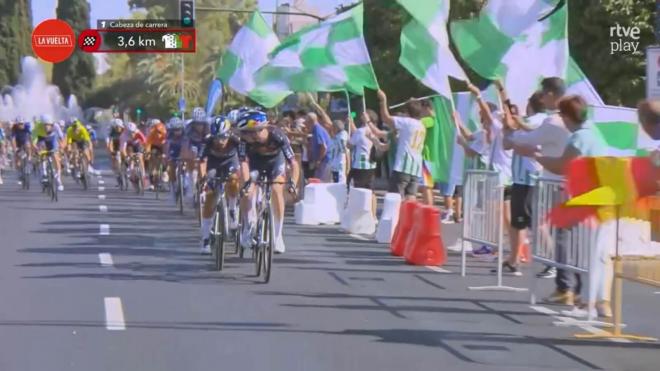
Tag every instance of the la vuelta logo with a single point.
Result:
(624, 39)
(52, 40)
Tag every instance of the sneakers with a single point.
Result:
(206, 247)
(509, 269)
(60, 188)
(1, 182)
(484, 252)
(562, 298)
(279, 246)
(233, 223)
(604, 309)
(548, 272)
(246, 239)
(448, 218)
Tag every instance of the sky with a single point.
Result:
(118, 9)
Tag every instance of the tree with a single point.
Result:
(15, 41)
(75, 75)
(618, 77)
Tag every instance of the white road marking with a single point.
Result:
(362, 238)
(114, 314)
(657, 292)
(101, 197)
(104, 229)
(106, 259)
(101, 189)
(101, 181)
(103, 208)
(573, 321)
(438, 269)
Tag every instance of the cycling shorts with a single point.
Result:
(199, 146)
(273, 166)
(50, 142)
(136, 147)
(82, 145)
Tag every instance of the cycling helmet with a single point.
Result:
(152, 122)
(233, 116)
(199, 115)
(20, 120)
(252, 120)
(132, 127)
(175, 123)
(47, 119)
(117, 123)
(220, 127)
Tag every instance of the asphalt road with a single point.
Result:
(136, 295)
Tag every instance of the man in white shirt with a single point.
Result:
(407, 169)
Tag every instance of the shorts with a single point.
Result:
(50, 143)
(507, 193)
(157, 149)
(403, 184)
(174, 152)
(451, 190)
(82, 145)
(273, 167)
(136, 147)
(521, 206)
(199, 147)
(362, 178)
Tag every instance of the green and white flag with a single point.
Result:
(329, 56)
(577, 83)
(520, 42)
(620, 128)
(425, 49)
(247, 53)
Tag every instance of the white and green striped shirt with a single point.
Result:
(410, 144)
(361, 150)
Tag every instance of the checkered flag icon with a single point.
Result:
(89, 41)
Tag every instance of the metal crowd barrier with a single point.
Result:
(483, 220)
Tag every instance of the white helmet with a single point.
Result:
(175, 123)
(117, 123)
(47, 119)
(199, 115)
(132, 127)
(152, 122)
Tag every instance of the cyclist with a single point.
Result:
(20, 140)
(220, 159)
(196, 134)
(77, 134)
(173, 146)
(92, 134)
(112, 143)
(155, 145)
(265, 149)
(48, 138)
(132, 142)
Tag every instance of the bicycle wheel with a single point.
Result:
(51, 181)
(83, 172)
(139, 184)
(159, 176)
(26, 176)
(179, 191)
(268, 243)
(220, 226)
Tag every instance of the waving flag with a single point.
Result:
(620, 130)
(425, 45)
(520, 42)
(577, 83)
(329, 56)
(247, 53)
(215, 93)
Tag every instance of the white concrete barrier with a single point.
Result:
(323, 204)
(389, 218)
(357, 217)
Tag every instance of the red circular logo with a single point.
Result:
(52, 40)
(89, 41)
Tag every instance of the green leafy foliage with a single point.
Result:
(75, 75)
(15, 43)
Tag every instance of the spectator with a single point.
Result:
(584, 140)
(649, 117)
(299, 124)
(407, 168)
(319, 143)
(551, 136)
(363, 168)
(524, 170)
(339, 152)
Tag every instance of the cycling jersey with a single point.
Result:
(268, 157)
(174, 146)
(157, 135)
(224, 161)
(113, 136)
(77, 133)
(50, 140)
(21, 136)
(134, 141)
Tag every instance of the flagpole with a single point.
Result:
(414, 99)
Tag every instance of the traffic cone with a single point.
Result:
(403, 228)
(426, 247)
(418, 214)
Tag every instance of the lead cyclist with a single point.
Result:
(264, 148)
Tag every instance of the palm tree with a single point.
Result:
(163, 73)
